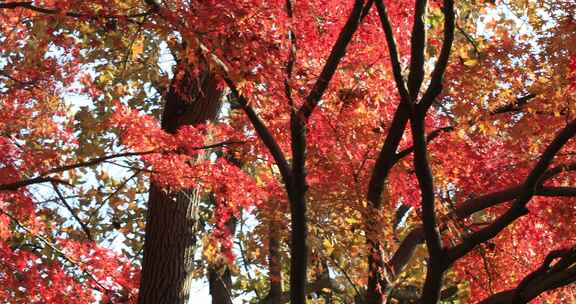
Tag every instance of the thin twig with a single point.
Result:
(71, 210)
(57, 250)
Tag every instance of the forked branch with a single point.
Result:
(547, 277)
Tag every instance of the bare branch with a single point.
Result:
(425, 180)
(37, 180)
(437, 76)
(547, 277)
(96, 161)
(57, 250)
(291, 57)
(518, 208)
(393, 50)
(54, 11)
(430, 137)
(43, 178)
(418, 46)
(263, 132)
(337, 53)
(436, 262)
(514, 107)
(483, 202)
(415, 237)
(71, 210)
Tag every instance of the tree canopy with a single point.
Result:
(361, 151)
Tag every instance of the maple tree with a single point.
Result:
(290, 151)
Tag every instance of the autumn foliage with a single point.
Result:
(365, 151)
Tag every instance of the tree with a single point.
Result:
(351, 133)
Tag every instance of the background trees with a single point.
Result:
(350, 133)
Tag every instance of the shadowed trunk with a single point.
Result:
(170, 240)
(220, 277)
(274, 264)
(220, 281)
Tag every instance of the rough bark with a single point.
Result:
(274, 265)
(220, 281)
(220, 277)
(169, 238)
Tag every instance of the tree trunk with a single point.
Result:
(274, 264)
(220, 281)
(219, 276)
(169, 239)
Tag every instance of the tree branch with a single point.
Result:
(43, 178)
(96, 161)
(101, 159)
(437, 76)
(337, 53)
(436, 263)
(547, 277)
(405, 251)
(514, 107)
(291, 56)
(298, 187)
(425, 180)
(556, 191)
(54, 11)
(393, 50)
(37, 180)
(418, 46)
(415, 237)
(62, 254)
(316, 286)
(385, 162)
(71, 210)
(474, 205)
(518, 208)
(430, 137)
(263, 132)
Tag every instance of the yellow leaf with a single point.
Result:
(470, 62)
(328, 247)
(361, 109)
(106, 76)
(351, 221)
(137, 48)
(463, 52)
